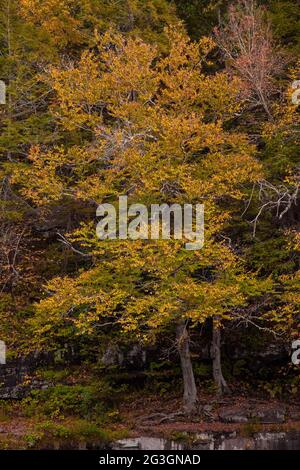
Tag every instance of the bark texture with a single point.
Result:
(219, 380)
(190, 390)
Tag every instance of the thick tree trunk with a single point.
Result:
(190, 391)
(220, 382)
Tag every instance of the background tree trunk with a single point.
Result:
(216, 358)
(190, 391)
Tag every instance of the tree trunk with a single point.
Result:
(220, 382)
(190, 390)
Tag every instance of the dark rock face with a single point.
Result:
(136, 358)
(112, 356)
(14, 374)
(133, 357)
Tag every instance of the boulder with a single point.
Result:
(230, 416)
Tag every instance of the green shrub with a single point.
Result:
(67, 400)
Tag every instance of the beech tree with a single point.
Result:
(69, 23)
(156, 132)
(103, 101)
(33, 35)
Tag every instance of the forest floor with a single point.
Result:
(152, 416)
